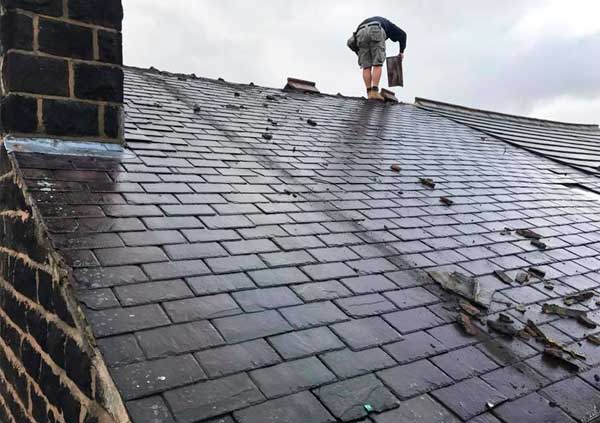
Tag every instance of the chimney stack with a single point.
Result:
(62, 69)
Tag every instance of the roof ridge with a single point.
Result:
(583, 126)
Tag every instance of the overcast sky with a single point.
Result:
(532, 57)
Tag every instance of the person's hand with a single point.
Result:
(401, 56)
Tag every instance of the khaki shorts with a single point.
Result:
(371, 45)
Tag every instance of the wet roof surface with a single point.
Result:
(574, 144)
(250, 278)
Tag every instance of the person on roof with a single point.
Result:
(368, 42)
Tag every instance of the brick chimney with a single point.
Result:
(62, 74)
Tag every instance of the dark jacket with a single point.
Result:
(393, 32)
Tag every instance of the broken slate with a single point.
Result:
(467, 324)
(311, 122)
(580, 297)
(428, 182)
(539, 244)
(503, 325)
(463, 285)
(446, 201)
(503, 277)
(561, 358)
(396, 168)
(528, 233)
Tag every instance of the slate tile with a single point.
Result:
(411, 297)
(298, 242)
(409, 278)
(451, 336)
(195, 251)
(412, 320)
(172, 222)
(515, 381)
(298, 408)
(369, 284)
(227, 222)
(150, 377)
(251, 326)
(314, 314)
(150, 410)
(150, 292)
(576, 397)
(421, 409)
(414, 378)
(366, 333)
(277, 277)
(531, 409)
(235, 264)
(414, 346)
(208, 235)
(178, 339)
(464, 363)
(469, 397)
(122, 320)
(175, 269)
(365, 305)
(98, 299)
(213, 398)
(230, 359)
(291, 377)
(292, 258)
(347, 399)
(254, 246)
(333, 254)
(318, 291)
(319, 272)
(347, 363)
(266, 299)
(306, 342)
(146, 238)
(207, 307)
(216, 284)
(120, 350)
(506, 351)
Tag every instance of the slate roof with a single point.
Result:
(232, 275)
(577, 145)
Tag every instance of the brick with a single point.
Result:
(112, 121)
(365, 305)
(276, 277)
(178, 339)
(406, 321)
(150, 410)
(531, 408)
(291, 377)
(415, 378)
(122, 320)
(251, 326)
(110, 47)
(469, 398)
(195, 251)
(18, 113)
(266, 299)
(215, 284)
(66, 40)
(315, 314)
(347, 363)
(35, 74)
(366, 333)
(50, 7)
(145, 293)
(318, 291)
(208, 307)
(175, 269)
(304, 343)
(420, 409)
(347, 399)
(143, 379)
(237, 358)
(213, 398)
(130, 255)
(16, 31)
(70, 118)
(108, 13)
(120, 350)
(298, 408)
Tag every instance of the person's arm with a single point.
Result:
(402, 41)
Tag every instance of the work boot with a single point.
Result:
(374, 94)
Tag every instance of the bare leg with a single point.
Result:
(368, 78)
(376, 75)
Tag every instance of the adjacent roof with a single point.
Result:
(238, 261)
(577, 145)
